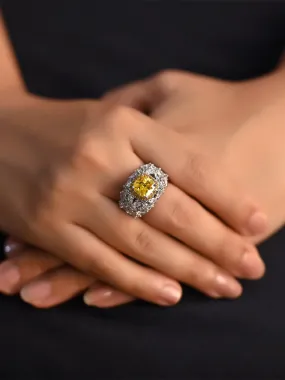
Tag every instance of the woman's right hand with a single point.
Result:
(62, 168)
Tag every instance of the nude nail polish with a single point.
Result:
(228, 287)
(253, 265)
(98, 296)
(9, 276)
(35, 292)
(170, 295)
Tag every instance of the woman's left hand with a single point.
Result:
(207, 110)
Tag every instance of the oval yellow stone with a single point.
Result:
(144, 186)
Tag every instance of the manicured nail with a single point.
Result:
(228, 287)
(9, 276)
(105, 296)
(12, 246)
(170, 295)
(253, 265)
(36, 292)
(91, 298)
(257, 223)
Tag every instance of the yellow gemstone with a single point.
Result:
(144, 186)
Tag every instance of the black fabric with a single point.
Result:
(71, 49)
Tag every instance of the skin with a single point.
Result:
(223, 135)
(64, 164)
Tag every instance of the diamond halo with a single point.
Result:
(142, 190)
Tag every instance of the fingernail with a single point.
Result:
(36, 292)
(253, 265)
(94, 296)
(257, 223)
(105, 296)
(228, 287)
(170, 295)
(11, 246)
(9, 276)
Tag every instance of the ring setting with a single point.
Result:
(142, 190)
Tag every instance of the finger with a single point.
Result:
(148, 94)
(111, 267)
(197, 175)
(184, 218)
(99, 295)
(138, 95)
(55, 287)
(104, 296)
(18, 270)
(157, 250)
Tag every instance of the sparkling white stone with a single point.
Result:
(134, 205)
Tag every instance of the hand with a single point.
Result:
(89, 278)
(56, 281)
(230, 121)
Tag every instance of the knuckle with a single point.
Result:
(92, 158)
(179, 217)
(143, 242)
(117, 118)
(85, 151)
(137, 287)
(194, 170)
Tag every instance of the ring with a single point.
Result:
(142, 190)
